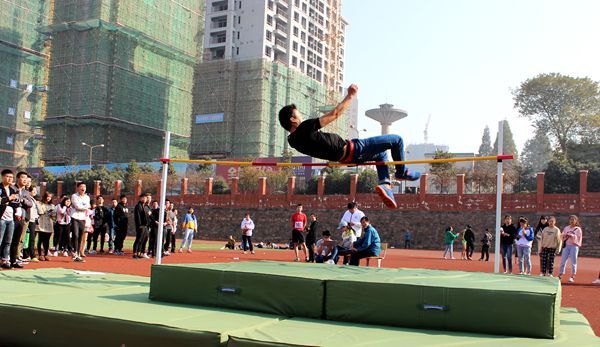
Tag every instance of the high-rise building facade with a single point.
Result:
(260, 55)
(24, 58)
(121, 74)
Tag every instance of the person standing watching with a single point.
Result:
(21, 220)
(9, 198)
(311, 237)
(189, 226)
(102, 218)
(525, 236)
(449, 238)
(508, 235)
(141, 226)
(352, 217)
(299, 222)
(572, 235)
(122, 222)
(368, 245)
(470, 238)
(80, 204)
(485, 245)
(407, 239)
(247, 227)
(549, 245)
(169, 228)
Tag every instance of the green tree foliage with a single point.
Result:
(564, 107)
(537, 152)
(220, 186)
(509, 146)
(485, 148)
(561, 177)
(248, 178)
(442, 173)
(367, 181)
(132, 173)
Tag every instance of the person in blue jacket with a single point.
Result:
(368, 245)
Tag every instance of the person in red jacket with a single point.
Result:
(299, 222)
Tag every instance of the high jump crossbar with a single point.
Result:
(406, 162)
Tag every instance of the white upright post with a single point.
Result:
(163, 196)
(498, 198)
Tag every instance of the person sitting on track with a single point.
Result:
(306, 138)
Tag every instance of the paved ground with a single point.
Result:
(581, 294)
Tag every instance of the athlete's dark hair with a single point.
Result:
(284, 116)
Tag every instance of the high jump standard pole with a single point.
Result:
(163, 196)
(498, 198)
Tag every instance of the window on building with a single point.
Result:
(237, 50)
(268, 51)
(297, 3)
(303, 37)
(269, 20)
(304, 7)
(304, 22)
(240, 3)
(301, 65)
(296, 31)
(238, 35)
(296, 16)
(295, 46)
(294, 61)
(240, 20)
(270, 5)
(269, 36)
(302, 51)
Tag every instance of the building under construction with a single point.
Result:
(121, 73)
(23, 80)
(260, 56)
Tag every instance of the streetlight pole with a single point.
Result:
(91, 148)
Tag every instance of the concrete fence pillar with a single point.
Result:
(43, 187)
(539, 194)
(583, 186)
(118, 187)
(96, 188)
(137, 189)
(291, 187)
(184, 186)
(353, 186)
(460, 184)
(59, 188)
(262, 186)
(321, 186)
(235, 182)
(423, 185)
(208, 186)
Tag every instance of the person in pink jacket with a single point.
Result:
(572, 235)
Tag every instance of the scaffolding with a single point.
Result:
(121, 74)
(23, 74)
(247, 96)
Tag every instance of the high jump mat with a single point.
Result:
(64, 307)
(409, 298)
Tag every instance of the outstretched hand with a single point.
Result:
(352, 90)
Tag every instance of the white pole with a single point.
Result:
(498, 198)
(163, 196)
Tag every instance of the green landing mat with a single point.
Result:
(574, 331)
(63, 307)
(281, 288)
(411, 298)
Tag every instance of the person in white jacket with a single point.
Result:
(352, 217)
(247, 227)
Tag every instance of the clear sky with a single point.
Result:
(458, 60)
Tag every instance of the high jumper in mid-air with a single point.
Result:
(306, 137)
